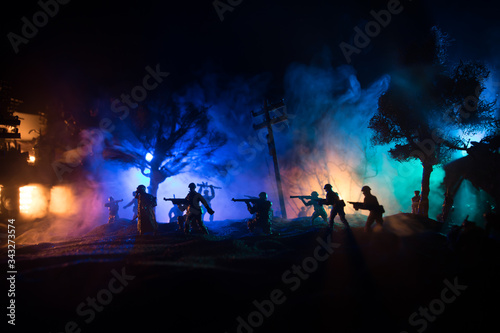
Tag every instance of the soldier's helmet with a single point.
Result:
(328, 186)
(111, 199)
(192, 186)
(366, 189)
(314, 194)
(141, 189)
(263, 195)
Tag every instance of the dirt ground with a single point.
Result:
(404, 277)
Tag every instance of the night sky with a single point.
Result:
(88, 50)
(88, 53)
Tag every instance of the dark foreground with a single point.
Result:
(404, 277)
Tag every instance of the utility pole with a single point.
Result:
(269, 122)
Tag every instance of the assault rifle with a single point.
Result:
(205, 184)
(177, 201)
(357, 205)
(361, 205)
(305, 197)
(252, 200)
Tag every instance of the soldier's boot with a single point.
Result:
(267, 229)
(251, 225)
(204, 230)
(180, 222)
(187, 228)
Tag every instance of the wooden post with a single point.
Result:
(268, 122)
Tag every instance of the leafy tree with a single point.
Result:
(175, 132)
(430, 107)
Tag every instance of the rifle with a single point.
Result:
(246, 200)
(361, 205)
(306, 197)
(206, 185)
(177, 201)
(357, 205)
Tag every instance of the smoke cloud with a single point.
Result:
(324, 140)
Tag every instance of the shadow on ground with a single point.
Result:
(302, 279)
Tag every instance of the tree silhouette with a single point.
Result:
(431, 107)
(175, 132)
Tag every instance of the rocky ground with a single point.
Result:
(404, 277)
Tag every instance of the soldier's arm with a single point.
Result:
(250, 208)
(205, 203)
(129, 204)
(203, 200)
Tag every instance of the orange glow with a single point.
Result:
(60, 199)
(330, 167)
(32, 201)
(25, 198)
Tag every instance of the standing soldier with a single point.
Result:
(194, 210)
(135, 207)
(338, 205)
(174, 213)
(263, 213)
(113, 209)
(146, 221)
(319, 211)
(208, 198)
(415, 202)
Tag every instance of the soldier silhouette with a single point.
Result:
(146, 221)
(113, 207)
(193, 215)
(134, 202)
(319, 211)
(338, 205)
(302, 212)
(262, 208)
(371, 203)
(415, 202)
(208, 198)
(174, 213)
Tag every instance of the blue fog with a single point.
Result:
(325, 140)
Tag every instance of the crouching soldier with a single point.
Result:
(262, 208)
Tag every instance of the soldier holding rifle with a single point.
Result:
(146, 221)
(208, 198)
(192, 205)
(180, 205)
(333, 199)
(316, 202)
(370, 203)
(113, 207)
(262, 208)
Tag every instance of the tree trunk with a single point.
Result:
(452, 186)
(155, 179)
(423, 206)
(153, 187)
